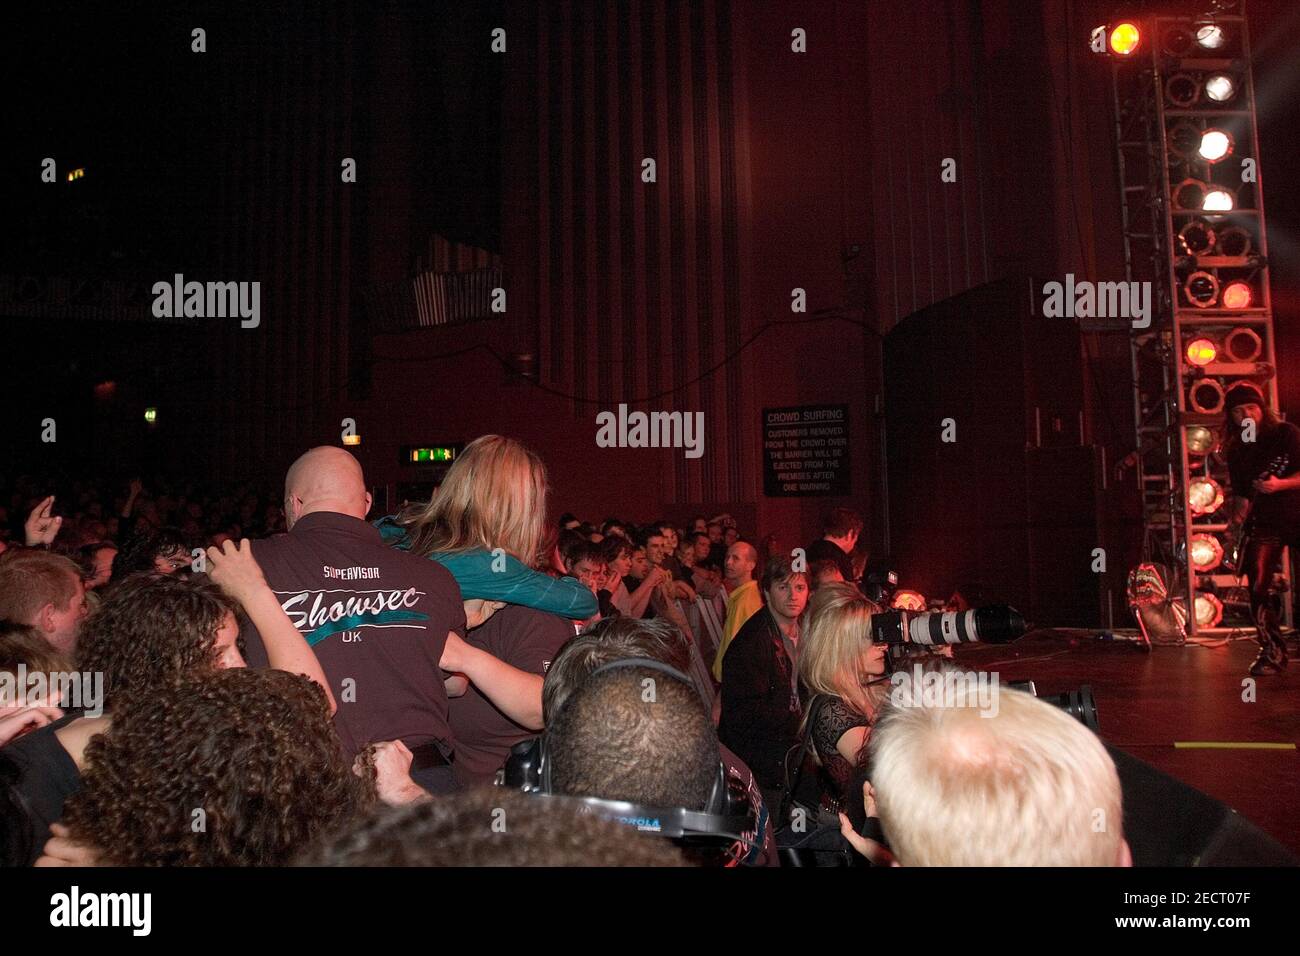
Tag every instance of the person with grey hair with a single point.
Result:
(956, 783)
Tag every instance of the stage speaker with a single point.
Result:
(991, 488)
(1168, 823)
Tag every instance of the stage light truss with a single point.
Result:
(1193, 226)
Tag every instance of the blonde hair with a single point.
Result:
(836, 638)
(1027, 785)
(494, 496)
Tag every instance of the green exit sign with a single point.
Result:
(430, 454)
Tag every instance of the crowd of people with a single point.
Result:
(263, 681)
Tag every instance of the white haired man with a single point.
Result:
(1024, 784)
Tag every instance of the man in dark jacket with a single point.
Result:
(760, 683)
(840, 531)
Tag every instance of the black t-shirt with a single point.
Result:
(823, 550)
(524, 638)
(36, 777)
(831, 719)
(377, 619)
(1277, 452)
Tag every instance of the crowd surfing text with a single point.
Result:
(626, 429)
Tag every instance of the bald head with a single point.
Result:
(741, 561)
(325, 479)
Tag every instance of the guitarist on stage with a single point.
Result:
(1265, 475)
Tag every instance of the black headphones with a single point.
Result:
(727, 814)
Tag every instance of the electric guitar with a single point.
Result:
(1274, 470)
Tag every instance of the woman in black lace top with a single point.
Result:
(842, 674)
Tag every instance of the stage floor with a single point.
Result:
(1148, 702)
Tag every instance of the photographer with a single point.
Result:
(843, 674)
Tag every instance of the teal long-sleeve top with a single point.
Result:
(502, 577)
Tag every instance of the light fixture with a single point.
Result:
(1190, 194)
(1220, 87)
(1206, 396)
(1185, 139)
(151, 415)
(1209, 609)
(1199, 439)
(1182, 90)
(1210, 36)
(1216, 146)
(1207, 552)
(908, 601)
(1201, 352)
(352, 439)
(1201, 289)
(1124, 38)
(1177, 41)
(1204, 496)
(1218, 199)
(1197, 237)
(1237, 295)
(1243, 344)
(1233, 241)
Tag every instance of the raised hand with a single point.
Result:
(235, 570)
(41, 528)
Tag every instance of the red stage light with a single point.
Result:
(1237, 295)
(1201, 352)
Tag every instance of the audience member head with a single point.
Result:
(613, 639)
(742, 559)
(656, 547)
(714, 530)
(587, 564)
(836, 654)
(43, 590)
(701, 544)
(152, 629)
(842, 526)
(824, 571)
(1023, 785)
(252, 751)
(613, 526)
(784, 590)
(97, 563)
(730, 536)
(639, 564)
(325, 479)
(164, 550)
(617, 552)
(23, 644)
(489, 826)
(634, 734)
(493, 496)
